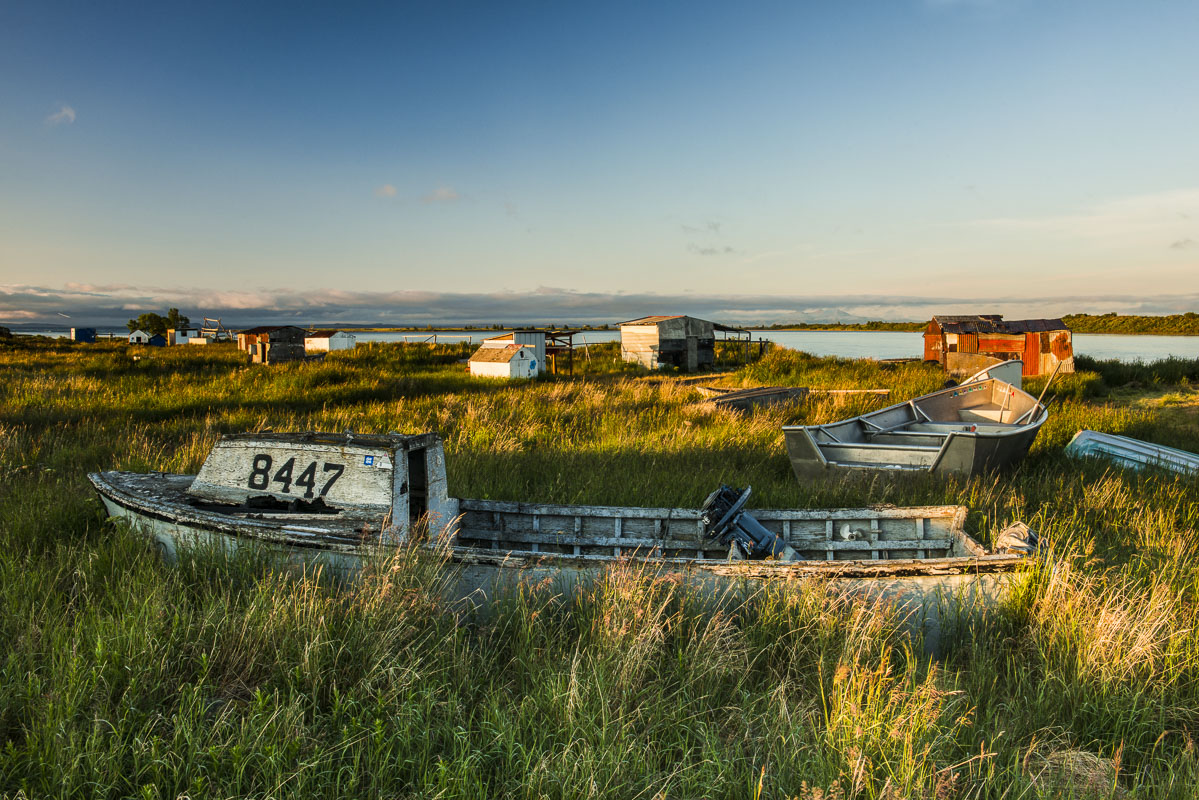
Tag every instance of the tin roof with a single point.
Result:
(651, 320)
(270, 329)
(325, 334)
(995, 323)
(497, 354)
(1036, 325)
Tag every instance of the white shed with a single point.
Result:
(511, 361)
(315, 341)
(526, 337)
(183, 335)
(139, 337)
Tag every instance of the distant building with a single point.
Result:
(83, 335)
(679, 341)
(315, 341)
(964, 345)
(510, 361)
(177, 336)
(157, 340)
(139, 337)
(527, 337)
(272, 344)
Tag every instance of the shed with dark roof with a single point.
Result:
(680, 341)
(272, 344)
(966, 344)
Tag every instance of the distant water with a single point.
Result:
(846, 344)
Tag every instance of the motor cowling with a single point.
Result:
(725, 520)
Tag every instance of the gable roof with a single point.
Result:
(652, 320)
(995, 323)
(325, 334)
(498, 354)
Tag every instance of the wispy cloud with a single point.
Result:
(1184, 244)
(710, 251)
(442, 194)
(711, 227)
(386, 190)
(63, 116)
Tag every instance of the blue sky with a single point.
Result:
(774, 160)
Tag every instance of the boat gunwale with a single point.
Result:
(989, 433)
(271, 533)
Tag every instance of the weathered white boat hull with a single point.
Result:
(965, 578)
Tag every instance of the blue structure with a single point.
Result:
(87, 335)
(157, 340)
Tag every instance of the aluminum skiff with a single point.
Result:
(984, 422)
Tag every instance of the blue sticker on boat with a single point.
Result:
(368, 461)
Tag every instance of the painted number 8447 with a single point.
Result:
(261, 478)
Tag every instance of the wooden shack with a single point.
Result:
(675, 341)
(272, 344)
(964, 345)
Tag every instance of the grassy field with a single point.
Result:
(122, 677)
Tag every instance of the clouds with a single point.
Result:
(63, 116)
(710, 251)
(112, 304)
(710, 230)
(442, 194)
(1184, 244)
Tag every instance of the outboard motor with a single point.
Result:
(726, 521)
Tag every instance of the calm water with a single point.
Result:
(847, 344)
(868, 344)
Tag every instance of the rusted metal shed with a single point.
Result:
(272, 344)
(685, 342)
(967, 344)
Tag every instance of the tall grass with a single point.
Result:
(122, 677)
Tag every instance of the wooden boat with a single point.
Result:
(983, 422)
(748, 399)
(337, 500)
(1125, 451)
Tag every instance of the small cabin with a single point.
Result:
(510, 361)
(184, 336)
(139, 337)
(329, 340)
(963, 345)
(525, 337)
(272, 344)
(86, 335)
(679, 341)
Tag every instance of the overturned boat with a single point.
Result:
(984, 422)
(1125, 451)
(337, 500)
